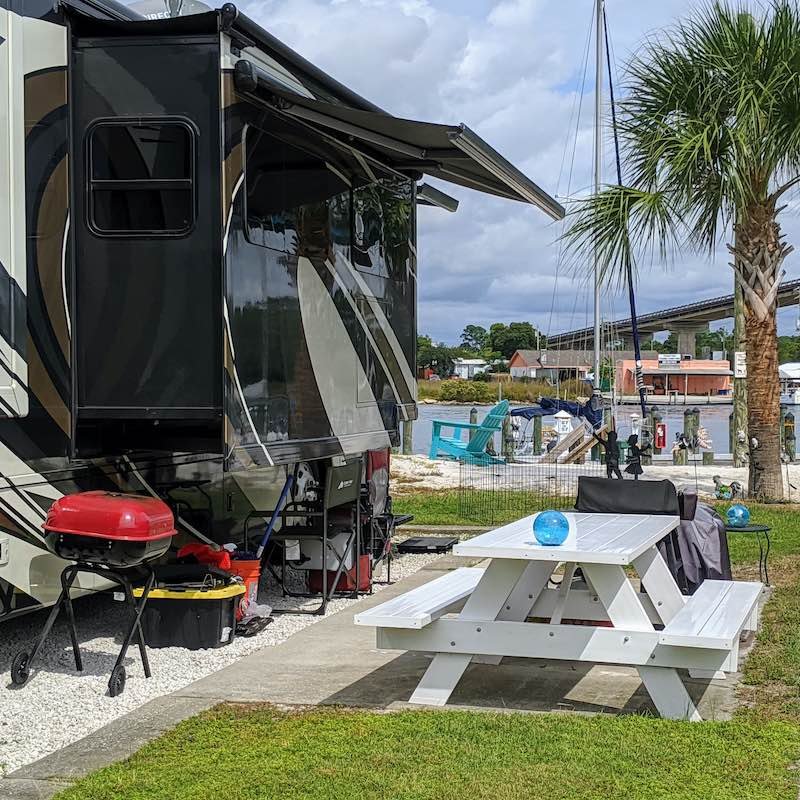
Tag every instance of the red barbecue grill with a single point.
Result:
(109, 535)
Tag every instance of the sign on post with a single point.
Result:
(740, 364)
(669, 359)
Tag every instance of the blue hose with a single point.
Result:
(276, 512)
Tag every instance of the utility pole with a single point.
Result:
(598, 166)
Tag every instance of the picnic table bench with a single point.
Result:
(483, 614)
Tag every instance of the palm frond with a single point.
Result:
(616, 227)
(709, 123)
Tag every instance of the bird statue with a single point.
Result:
(727, 491)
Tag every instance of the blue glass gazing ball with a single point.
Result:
(551, 528)
(738, 516)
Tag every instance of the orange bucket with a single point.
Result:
(249, 572)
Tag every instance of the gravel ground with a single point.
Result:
(59, 706)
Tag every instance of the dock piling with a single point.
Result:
(408, 432)
(537, 436)
(789, 442)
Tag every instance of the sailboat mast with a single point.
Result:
(598, 165)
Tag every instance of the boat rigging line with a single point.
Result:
(598, 166)
(628, 266)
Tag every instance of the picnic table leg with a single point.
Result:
(563, 592)
(668, 693)
(625, 610)
(521, 600)
(487, 600)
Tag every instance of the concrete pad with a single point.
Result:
(532, 685)
(23, 789)
(315, 663)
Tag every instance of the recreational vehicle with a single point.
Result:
(207, 268)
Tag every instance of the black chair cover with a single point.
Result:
(611, 496)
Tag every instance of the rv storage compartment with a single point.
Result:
(115, 530)
(197, 619)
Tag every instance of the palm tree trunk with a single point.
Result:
(739, 422)
(758, 259)
(763, 408)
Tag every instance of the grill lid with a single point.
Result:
(111, 515)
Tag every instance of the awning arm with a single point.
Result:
(431, 196)
(480, 151)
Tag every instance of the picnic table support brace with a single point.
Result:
(487, 601)
(625, 611)
(520, 602)
(668, 693)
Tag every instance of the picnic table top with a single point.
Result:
(597, 539)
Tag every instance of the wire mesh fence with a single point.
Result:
(496, 493)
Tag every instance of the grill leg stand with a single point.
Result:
(136, 627)
(53, 615)
(66, 585)
(139, 633)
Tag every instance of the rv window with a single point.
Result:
(382, 227)
(141, 178)
(294, 201)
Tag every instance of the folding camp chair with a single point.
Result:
(339, 507)
(613, 496)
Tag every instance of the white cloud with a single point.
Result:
(511, 70)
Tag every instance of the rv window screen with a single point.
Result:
(141, 178)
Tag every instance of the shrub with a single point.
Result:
(477, 391)
(468, 392)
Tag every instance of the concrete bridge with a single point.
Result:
(684, 321)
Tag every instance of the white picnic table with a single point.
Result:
(657, 632)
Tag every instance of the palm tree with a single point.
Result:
(710, 137)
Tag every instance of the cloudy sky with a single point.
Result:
(512, 70)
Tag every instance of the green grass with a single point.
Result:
(234, 752)
(770, 686)
(431, 508)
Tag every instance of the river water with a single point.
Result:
(713, 418)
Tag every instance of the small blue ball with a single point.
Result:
(738, 516)
(551, 528)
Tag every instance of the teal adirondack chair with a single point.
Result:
(472, 450)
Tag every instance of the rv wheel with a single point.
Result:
(116, 683)
(20, 669)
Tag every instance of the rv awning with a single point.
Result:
(451, 153)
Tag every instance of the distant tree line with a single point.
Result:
(500, 341)
(495, 345)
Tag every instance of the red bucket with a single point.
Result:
(250, 572)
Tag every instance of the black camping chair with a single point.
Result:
(611, 496)
(338, 511)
